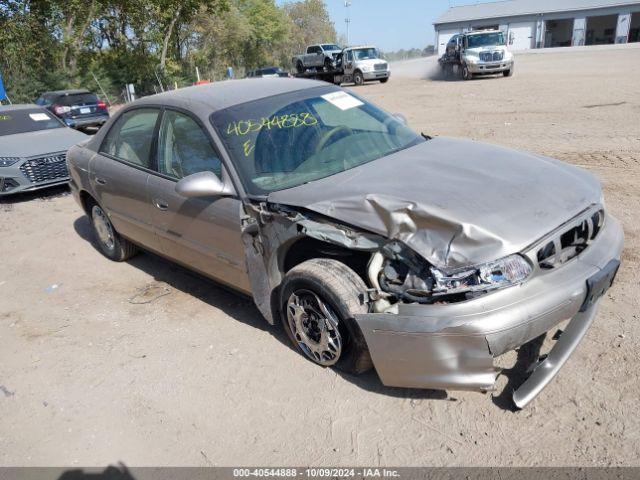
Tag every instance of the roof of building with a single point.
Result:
(511, 8)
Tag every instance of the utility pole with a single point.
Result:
(347, 20)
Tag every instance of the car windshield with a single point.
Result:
(26, 120)
(330, 46)
(295, 138)
(366, 53)
(485, 40)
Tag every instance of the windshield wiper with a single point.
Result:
(425, 136)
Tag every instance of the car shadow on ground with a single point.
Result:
(44, 195)
(121, 472)
(242, 309)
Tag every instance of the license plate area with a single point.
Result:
(84, 111)
(599, 283)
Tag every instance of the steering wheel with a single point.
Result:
(327, 136)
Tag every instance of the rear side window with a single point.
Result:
(131, 137)
(78, 99)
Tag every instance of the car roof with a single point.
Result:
(19, 106)
(211, 97)
(67, 92)
(480, 32)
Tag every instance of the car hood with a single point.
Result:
(42, 142)
(455, 202)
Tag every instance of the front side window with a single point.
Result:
(291, 139)
(184, 148)
(14, 121)
(131, 137)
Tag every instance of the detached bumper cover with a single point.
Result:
(452, 346)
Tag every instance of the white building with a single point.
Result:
(546, 23)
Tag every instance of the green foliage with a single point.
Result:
(55, 44)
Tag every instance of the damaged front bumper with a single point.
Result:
(452, 346)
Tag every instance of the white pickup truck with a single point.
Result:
(317, 57)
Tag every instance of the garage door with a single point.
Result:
(521, 35)
(443, 38)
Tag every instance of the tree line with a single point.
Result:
(58, 44)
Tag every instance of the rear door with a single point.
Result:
(120, 171)
(201, 233)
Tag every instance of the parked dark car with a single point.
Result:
(76, 108)
(267, 72)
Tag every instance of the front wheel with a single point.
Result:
(508, 73)
(466, 73)
(299, 67)
(358, 78)
(384, 80)
(319, 299)
(111, 244)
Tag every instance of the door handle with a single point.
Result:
(161, 204)
(101, 181)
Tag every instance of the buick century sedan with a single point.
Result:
(374, 246)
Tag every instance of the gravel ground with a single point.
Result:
(148, 364)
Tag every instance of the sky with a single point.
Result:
(389, 24)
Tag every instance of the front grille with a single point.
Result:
(574, 239)
(491, 56)
(380, 66)
(45, 169)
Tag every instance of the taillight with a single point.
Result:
(102, 105)
(60, 109)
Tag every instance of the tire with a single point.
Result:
(466, 74)
(384, 80)
(358, 78)
(508, 73)
(299, 67)
(341, 291)
(110, 243)
(328, 65)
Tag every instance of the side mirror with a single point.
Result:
(401, 118)
(203, 184)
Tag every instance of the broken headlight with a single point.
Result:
(505, 272)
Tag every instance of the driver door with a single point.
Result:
(201, 233)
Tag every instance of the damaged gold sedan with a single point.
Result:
(374, 246)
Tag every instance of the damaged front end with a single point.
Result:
(433, 327)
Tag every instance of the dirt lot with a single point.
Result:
(147, 364)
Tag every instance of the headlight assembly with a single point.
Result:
(505, 272)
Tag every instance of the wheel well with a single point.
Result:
(308, 248)
(86, 199)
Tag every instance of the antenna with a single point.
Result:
(347, 20)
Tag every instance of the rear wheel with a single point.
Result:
(111, 244)
(358, 78)
(299, 67)
(319, 299)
